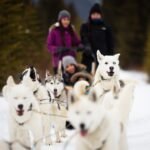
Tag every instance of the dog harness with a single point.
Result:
(59, 102)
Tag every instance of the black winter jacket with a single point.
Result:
(97, 37)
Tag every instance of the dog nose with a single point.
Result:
(20, 106)
(111, 68)
(55, 90)
(82, 126)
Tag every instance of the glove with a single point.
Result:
(61, 50)
(80, 48)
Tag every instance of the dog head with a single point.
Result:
(20, 98)
(30, 72)
(85, 113)
(30, 77)
(54, 84)
(108, 65)
(81, 87)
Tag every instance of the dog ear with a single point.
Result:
(10, 81)
(59, 70)
(27, 81)
(93, 96)
(117, 56)
(72, 98)
(4, 91)
(47, 74)
(99, 56)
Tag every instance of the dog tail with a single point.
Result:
(125, 102)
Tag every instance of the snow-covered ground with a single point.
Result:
(139, 123)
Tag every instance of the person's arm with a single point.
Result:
(76, 39)
(84, 34)
(110, 40)
(51, 42)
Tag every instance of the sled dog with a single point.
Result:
(25, 126)
(96, 127)
(107, 73)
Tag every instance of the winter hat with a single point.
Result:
(63, 14)
(67, 60)
(96, 8)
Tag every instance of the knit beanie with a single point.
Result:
(96, 8)
(67, 60)
(63, 14)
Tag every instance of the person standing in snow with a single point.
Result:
(95, 35)
(62, 39)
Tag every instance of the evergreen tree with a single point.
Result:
(129, 19)
(21, 37)
(147, 59)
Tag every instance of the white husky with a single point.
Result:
(59, 106)
(31, 78)
(107, 74)
(25, 126)
(96, 127)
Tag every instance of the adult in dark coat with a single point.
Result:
(95, 35)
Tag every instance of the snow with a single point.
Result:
(139, 121)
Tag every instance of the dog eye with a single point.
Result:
(51, 82)
(77, 112)
(89, 112)
(106, 63)
(114, 63)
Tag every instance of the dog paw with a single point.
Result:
(58, 141)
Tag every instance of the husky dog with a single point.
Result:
(59, 106)
(43, 96)
(25, 126)
(55, 85)
(107, 73)
(96, 127)
(32, 72)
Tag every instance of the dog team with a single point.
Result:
(98, 110)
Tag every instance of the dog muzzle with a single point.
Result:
(20, 112)
(83, 132)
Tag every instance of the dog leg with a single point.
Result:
(123, 141)
(48, 141)
(58, 106)
(63, 134)
(4, 145)
(116, 88)
(38, 146)
(58, 138)
(47, 127)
